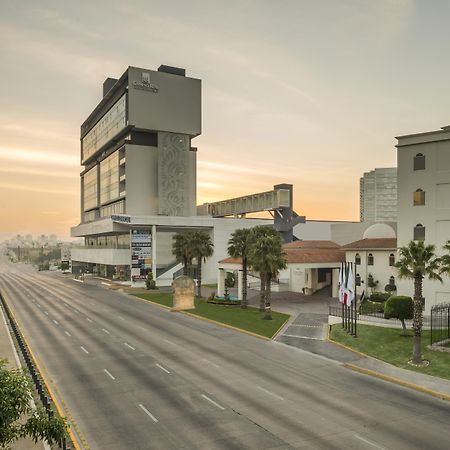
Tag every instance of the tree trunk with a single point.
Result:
(244, 284)
(268, 311)
(199, 277)
(417, 320)
(405, 333)
(262, 294)
(185, 267)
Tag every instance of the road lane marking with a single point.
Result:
(129, 346)
(107, 284)
(109, 374)
(120, 317)
(46, 313)
(148, 413)
(66, 304)
(89, 320)
(79, 281)
(170, 342)
(213, 402)
(210, 362)
(270, 393)
(162, 368)
(84, 350)
(373, 444)
(55, 322)
(303, 337)
(68, 334)
(38, 305)
(106, 331)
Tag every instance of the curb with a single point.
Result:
(55, 399)
(398, 381)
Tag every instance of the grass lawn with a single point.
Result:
(249, 319)
(388, 345)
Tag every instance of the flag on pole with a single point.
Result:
(350, 285)
(341, 282)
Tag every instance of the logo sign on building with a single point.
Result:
(145, 84)
(141, 253)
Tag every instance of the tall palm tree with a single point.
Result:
(181, 250)
(267, 257)
(200, 247)
(416, 262)
(445, 260)
(239, 247)
(260, 231)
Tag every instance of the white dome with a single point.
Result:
(379, 230)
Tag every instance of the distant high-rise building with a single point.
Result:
(378, 195)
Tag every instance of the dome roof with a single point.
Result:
(379, 230)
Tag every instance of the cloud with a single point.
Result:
(36, 156)
(43, 173)
(21, 187)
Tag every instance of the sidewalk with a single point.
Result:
(7, 352)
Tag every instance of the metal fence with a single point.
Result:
(440, 324)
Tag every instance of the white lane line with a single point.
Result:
(213, 402)
(270, 393)
(66, 304)
(148, 413)
(106, 331)
(109, 374)
(303, 337)
(84, 350)
(120, 317)
(38, 305)
(142, 328)
(170, 342)
(129, 346)
(46, 313)
(55, 322)
(79, 281)
(210, 362)
(162, 368)
(75, 311)
(68, 334)
(89, 320)
(373, 444)
(107, 284)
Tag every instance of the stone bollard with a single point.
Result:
(183, 293)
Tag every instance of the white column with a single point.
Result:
(335, 282)
(154, 251)
(221, 282)
(240, 284)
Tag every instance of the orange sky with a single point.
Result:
(311, 94)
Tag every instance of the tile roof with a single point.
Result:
(312, 244)
(369, 244)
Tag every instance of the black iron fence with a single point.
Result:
(36, 376)
(440, 324)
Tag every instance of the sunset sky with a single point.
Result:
(304, 92)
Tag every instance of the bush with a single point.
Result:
(399, 307)
(150, 283)
(230, 280)
(368, 307)
(379, 297)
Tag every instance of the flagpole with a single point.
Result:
(355, 299)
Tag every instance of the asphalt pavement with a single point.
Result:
(136, 376)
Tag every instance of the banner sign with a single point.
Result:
(141, 253)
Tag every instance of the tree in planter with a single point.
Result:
(200, 247)
(15, 407)
(416, 262)
(267, 258)
(239, 247)
(150, 283)
(371, 283)
(261, 231)
(181, 249)
(399, 307)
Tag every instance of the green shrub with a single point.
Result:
(379, 297)
(150, 283)
(368, 307)
(399, 307)
(230, 280)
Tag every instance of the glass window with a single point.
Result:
(90, 193)
(391, 259)
(419, 162)
(419, 232)
(106, 128)
(419, 197)
(370, 259)
(357, 259)
(109, 178)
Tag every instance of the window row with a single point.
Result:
(371, 281)
(371, 259)
(115, 241)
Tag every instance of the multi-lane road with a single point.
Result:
(135, 376)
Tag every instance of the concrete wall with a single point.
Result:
(110, 256)
(176, 107)
(435, 214)
(141, 171)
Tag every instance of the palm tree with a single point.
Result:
(239, 247)
(181, 250)
(416, 262)
(257, 232)
(267, 257)
(445, 260)
(200, 247)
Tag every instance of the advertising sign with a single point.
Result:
(141, 253)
